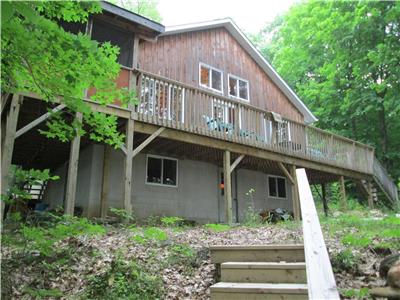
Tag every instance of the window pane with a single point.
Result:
(281, 188)
(243, 90)
(232, 87)
(216, 80)
(272, 186)
(204, 76)
(104, 32)
(153, 170)
(169, 176)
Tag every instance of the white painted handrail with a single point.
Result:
(320, 279)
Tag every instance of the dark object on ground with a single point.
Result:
(275, 215)
(387, 263)
(393, 276)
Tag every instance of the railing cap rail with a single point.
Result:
(247, 105)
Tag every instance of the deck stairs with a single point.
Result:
(36, 191)
(362, 187)
(259, 272)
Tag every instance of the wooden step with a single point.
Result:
(264, 272)
(257, 253)
(255, 291)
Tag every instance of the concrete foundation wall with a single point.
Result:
(197, 196)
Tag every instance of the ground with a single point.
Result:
(167, 260)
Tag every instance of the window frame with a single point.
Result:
(237, 78)
(276, 186)
(201, 64)
(162, 171)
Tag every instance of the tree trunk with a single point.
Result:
(383, 131)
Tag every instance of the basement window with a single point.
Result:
(162, 171)
(238, 87)
(210, 77)
(105, 32)
(277, 187)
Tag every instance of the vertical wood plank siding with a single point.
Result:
(178, 56)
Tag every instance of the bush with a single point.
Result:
(150, 234)
(172, 221)
(345, 261)
(124, 280)
(217, 227)
(122, 215)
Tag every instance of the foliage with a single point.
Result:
(146, 8)
(342, 58)
(355, 293)
(150, 234)
(42, 239)
(22, 178)
(344, 260)
(217, 227)
(39, 56)
(361, 231)
(124, 280)
(43, 293)
(123, 215)
(171, 221)
(182, 254)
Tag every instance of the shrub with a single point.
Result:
(124, 280)
(172, 221)
(123, 215)
(217, 227)
(356, 294)
(345, 261)
(182, 254)
(150, 234)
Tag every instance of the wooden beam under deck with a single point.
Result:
(192, 138)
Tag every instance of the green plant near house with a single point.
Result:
(251, 217)
(123, 215)
(345, 260)
(182, 254)
(217, 227)
(172, 221)
(124, 280)
(42, 239)
(355, 293)
(149, 234)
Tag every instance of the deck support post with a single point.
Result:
(105, 181)
(130, 127)
(7, 146)
(370, 196)
(324, 199)
(295, 193)
(227, 186)
(343, 202)
(73, 171)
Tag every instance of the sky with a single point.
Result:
(249, 15)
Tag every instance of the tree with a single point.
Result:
(343, 59)
(39, 56)
(146, 8)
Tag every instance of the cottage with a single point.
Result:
(215, 130)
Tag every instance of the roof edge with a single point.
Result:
(233, 29)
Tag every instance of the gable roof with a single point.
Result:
(234, 30)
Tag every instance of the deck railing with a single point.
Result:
(174, 104)
(385, 181)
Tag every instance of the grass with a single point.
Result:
(217, 227)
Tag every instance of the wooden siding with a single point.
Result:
(178, 56)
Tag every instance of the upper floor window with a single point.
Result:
(277, 187)
(162, 171)
(238, 88)
(210, 77)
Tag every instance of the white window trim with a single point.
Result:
(276, 185)
(237, 80)
(162, 171)
(210, 87)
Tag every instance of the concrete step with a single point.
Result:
(264, 272)
(257, 253)
(256, 291)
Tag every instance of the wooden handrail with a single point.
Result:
(244, 104)
(320, 279)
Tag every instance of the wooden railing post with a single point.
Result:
(72, 177)
(128, 165)
(370, 196)
(295, 194)
(343, 202)
(7, 146)
(227, 187)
